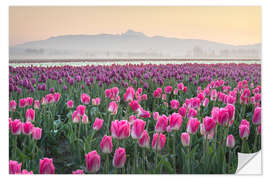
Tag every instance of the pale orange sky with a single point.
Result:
(235, 25)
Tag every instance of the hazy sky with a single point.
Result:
(233, 25)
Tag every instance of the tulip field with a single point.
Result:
(133, 118)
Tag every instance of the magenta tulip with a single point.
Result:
(46, 166)
(92, 160)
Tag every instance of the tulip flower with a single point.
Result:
(214, 95)
(96, 101)
(144, 140)
(143, 113)
(24, 171)
(36, 104)
(84, 119)
(175, 122)
(49, 98)
(137, 128)
(98, 124)
(134, 105)
(80, 110)
(29, 101)
(12, 105)
(78, 171)
(106, 144)
(230, 141)
(85, 98)
(56, 97)
(182, 111)
(168, 89)
(132, 118)
(14, 167)
(22, 103)
(180, 86)
(129, 95)
(155, 115)
(27, 128)
(161, 124)
(175, 91)
(120, 129)
(209, 124)
(30, 115)
(231, 111)
(75, 117)
(256, 119)
(144, 97)
(192, 113)
(16, 127)
(185, 139)
(244, 129)
(36, 133)
(223, 116)
(119, 158)
(157, 93)
(193, 125)
(158, 142)
(113, 107)
(70, 104)
(46, 166)
(174, 104)
(92, 160)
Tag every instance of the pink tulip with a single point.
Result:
(138, 128)
(185, 139)
(98, 124)
(9, 123)
(132, 118)
(161, 124)
(256, 119)
(56, 97)
(231, 111)
(22, 103)
(158, 143)
(30, 115)
(139, 91)
(29, 101)
(143, 113)
(43, 101)
(12, 105)
(223, 116)
(174, 104)
(168, 89)
(134, 105)
(144, 97)
(96, 101)
(182, 111)
(120, 129)
(14, 167)
(192, 113)
(92, 160)
(244, 129)
(46, 166)
(129, 95)
(84, 119)
(75, 117)
(252, 100)
(36, 104)
(49, 98)
(193, 125)
(175, 122)
(70, 104)
(230, 141)
(155, 115)
(257, 98)
(157, 93)
(27, 128)
(215, 113)
(119, 158)
(80, 110)
(36, 133)
(24, 171)
(113, 107)
(164, 97)
(16, 127)
(144, 140)
(106, 144)
(108, 93)
(85, 98)
(205, 102)
(78, 171)
(175, 91)
(209, 124)
(185, 89)
(214, 95)
(180, 86)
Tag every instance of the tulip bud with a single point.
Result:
(36, 133)
(92, 160)
(98, 124)
(16, 127)
(230, 141)
(14, 167)
(185, 139)
(119, 157)
(46, 166)
(144, 140)
(137, 128)
(158, 143)
(106, 144)
(256, 119)
(27, 128)
(30, 115)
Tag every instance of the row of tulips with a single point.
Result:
(195, 129)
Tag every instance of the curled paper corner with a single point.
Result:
(249, 163)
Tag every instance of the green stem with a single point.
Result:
(135, 163)
(255, 143)
(174, 159)
(15, 147)
(156, 152)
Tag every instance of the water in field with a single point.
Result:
(126, 62)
